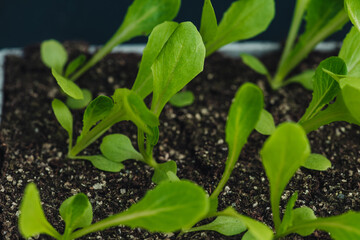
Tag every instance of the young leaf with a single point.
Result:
(63, 115)
(254, 64)
(76, 212)
(118, 148)
(75, 64)
(288, 215)
(160, 172)
(265, 125)
(96, 111)
(243, 20)
(305, 79)
(317, 162)
(208, 27)
(102, 163)
(68, 86)
(282, 154)
(350, 52)
(353, 9)
(300, 215)
(182, 99)
(350, 89)
(53, 55)
(79, 103)
(224, 225)
(325, 87)
(143, 84)
(32, 220)
(181, 59)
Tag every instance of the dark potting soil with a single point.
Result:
(33, 146)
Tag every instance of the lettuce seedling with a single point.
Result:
(155, 212)
(323, 18)
(142, 16)
(166, 67)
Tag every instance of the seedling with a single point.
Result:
(323, 18)
(178, 205)
(142, 16)
(164, 70)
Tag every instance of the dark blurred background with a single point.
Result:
(24, 22)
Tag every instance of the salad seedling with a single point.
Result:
(173, 63)
(323, 18)
(142, 16)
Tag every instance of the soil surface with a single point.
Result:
(33, 146)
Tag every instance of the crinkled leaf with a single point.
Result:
(180, 60)
(300, 215)
(305, 79)
(182, 99)
(224, 225)
(102, 163)
(325, 87)
(208, 27)
(169, 207)
(68, 86)
(143, 15)
(118, 148)
(353, 9)
(243, 20)
(317, 162)
(79, 103)
(63, 115)
(76, 211)
(265, 125)
(254, 63)
(32, 220)
(282, 154)
(350, 52)
(288, 215)
(350, 89)
(53, 55)
(160, 172)
(96, 111)
(75, 64)
(143, 84)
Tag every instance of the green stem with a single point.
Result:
(147, 154)
(275, 208)
(303, 48)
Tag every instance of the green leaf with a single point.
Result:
(75, 64)
(208, 27)
(300, 215)
(76, 211)
(182, 99)
(53, 55)
(350, 89)
(257, 230)
(243, 115)
(79, 103)
(305, 79)
(248, 236)
(255, 64)
(63, 115)
(282, 154)
(343, 227)
(32, 220)
(118, 148)
(143, 84)
(265, 125)
(288, 215)
(317, 162)
(243, 20)
(353, 10)
(171, 206)
(181, 59)
(325, 87)
(68, 86)
(224, 225)
(143, 15)
(160, 172)
(102, 163)
(350, 52)
(96, 111)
